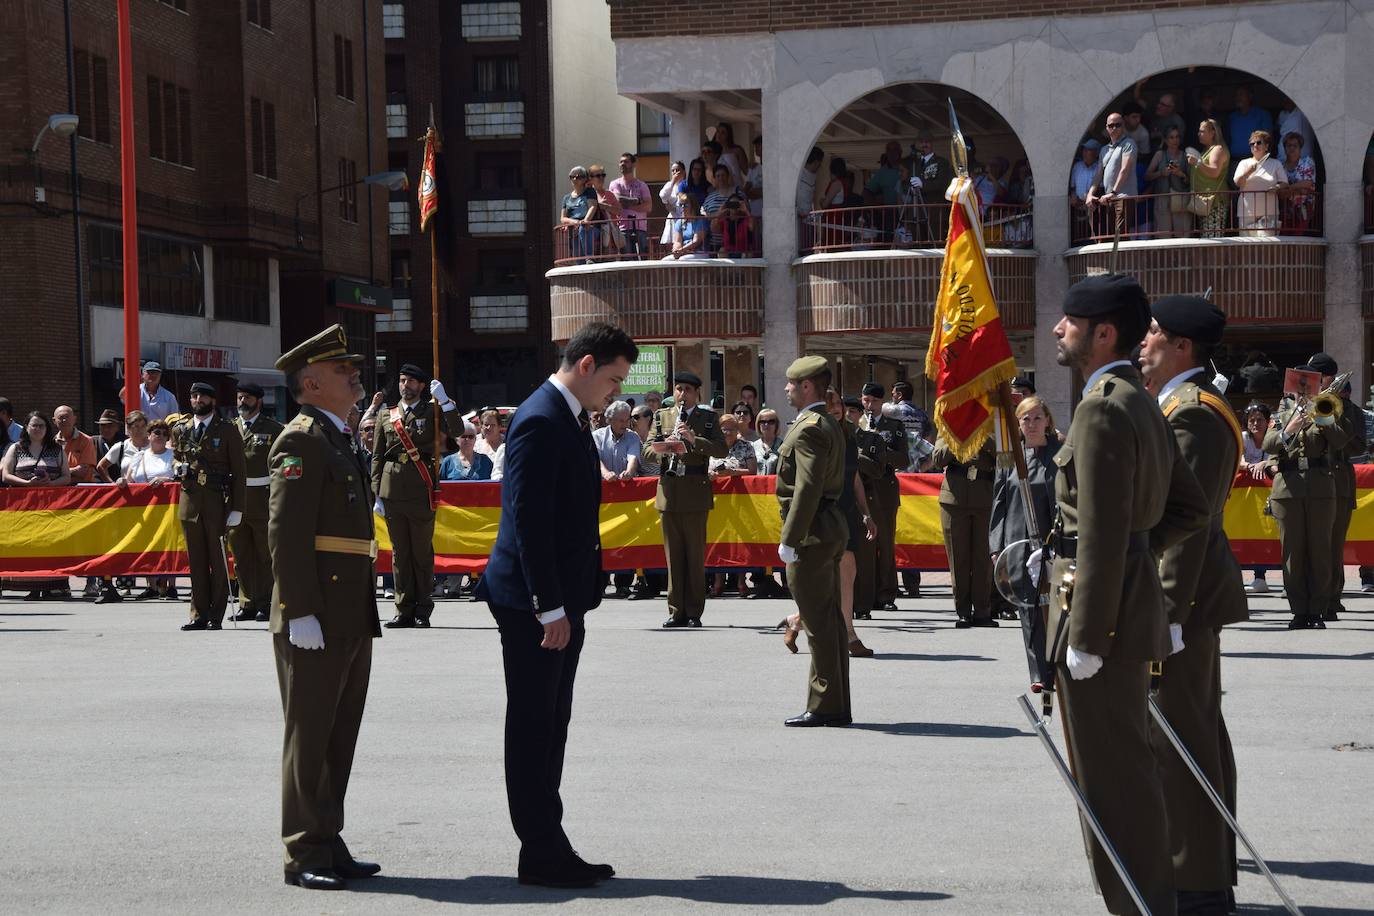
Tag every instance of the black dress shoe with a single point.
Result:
(569, 874)
(983, 622)
(673, 623)
(109, 596)
(602, 872)
(887, 606)
(813, 720)
(963, 623)
(1202, 903)
(863, 615)
(694, 622)
(172, 594)
(213, 625)
(147, 593)
(422, 623)
(263, 616)
(354, 869)
(201, 624)
(1329, 615)
(322, 880)
(399, 622)
(245, 615)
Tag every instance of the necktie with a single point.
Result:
(584, 421)
(200, 429)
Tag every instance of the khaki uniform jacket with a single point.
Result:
(893, 433)
(1352, 421)
(257, 443)
(690, 492)
(320, 488)
(1209, 446)
(394, 475)
(1318, 444)
(1120, 473)
(811, 479)
(872, 455)
(219, 455)
(966, 484)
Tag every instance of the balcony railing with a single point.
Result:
(596, 241)
(907, 226)
(1188, 215)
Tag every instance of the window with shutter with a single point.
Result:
(154, 117)
(81, 78)
(269, 133)
(100, 97)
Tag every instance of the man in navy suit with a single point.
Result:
(543, 575)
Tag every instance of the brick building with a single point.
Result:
(244, 113)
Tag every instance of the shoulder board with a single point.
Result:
(1228, 416)
(301, 421)
(809, 418)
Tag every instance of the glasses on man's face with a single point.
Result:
(741, 413)
(577, 177)
(1115, 125)
(598, 174)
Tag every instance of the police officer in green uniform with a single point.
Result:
(1124, 495)
(814, 533)
(1343, 474)
(324, 606)
(884, 493)
(1202, 593)
(248, 540)
(403, 479)
(684, 498)
(965, 513)
(207, 456)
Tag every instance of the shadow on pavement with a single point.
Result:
(1349, 872)
(942, 730)
(917, 657)
(35, 613)
(32, 630)
(722, 889)
(1323, 656)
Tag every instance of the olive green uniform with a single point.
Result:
(965, 513)
(810, 480)
(406, 502)
(1303, 501)
(248, 541)
(1202, 845)
(886, 500)
(320, 531)
(211, 469)
(684, 501)
(1352, 421)
(1124, 495)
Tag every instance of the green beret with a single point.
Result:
(329, 344)
(805, 367)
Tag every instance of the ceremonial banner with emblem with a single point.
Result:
(429, 185)
(969, 354)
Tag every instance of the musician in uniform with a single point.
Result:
(684, 498)
(207, 459)
(1174, 355)
(1124, 495)
(884, 494)
(965, 514)
(248, 540)
(403, 479)
(1343, 474)
(324, 606)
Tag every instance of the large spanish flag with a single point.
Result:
(969, 354)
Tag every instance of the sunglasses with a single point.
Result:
(1255, 143)
(598, 174)
(158, 432)
(768, 423)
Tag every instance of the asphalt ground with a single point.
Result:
(139, 768)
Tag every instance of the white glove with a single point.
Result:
(436, 388)
(1176, 637)
(233, 519)
(916, 182)
(1083, 665)
(787, 554)
(305, 632)
(378, 508)
(1033, 566)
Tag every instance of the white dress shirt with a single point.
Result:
(1102, 370)
(1177, 380)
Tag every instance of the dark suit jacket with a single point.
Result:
(548, 548)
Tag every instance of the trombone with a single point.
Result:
(1326, 407)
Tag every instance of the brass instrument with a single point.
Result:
(1326, 407)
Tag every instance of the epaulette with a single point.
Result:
(301, 421)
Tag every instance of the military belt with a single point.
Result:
(360, 547)
(1289, 465)
(1067, 547)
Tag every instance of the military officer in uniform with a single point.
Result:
(814, 534)
(207, 456)
(872, 467)
(403, 479)
(1124, 494)
(1343, 474)
(1303, 500)
(248, 540)
(684, 498)
(1174, 355)
(884, 493)
(324, 607)
(965, 514)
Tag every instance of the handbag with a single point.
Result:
(1201, 204)
(1178, 203)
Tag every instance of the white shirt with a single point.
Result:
(338, 423)
(806, 192)
(145, 464)
(1102, 370)
(1177, 380)
(157, 407)
(576, 408)
(573, 404)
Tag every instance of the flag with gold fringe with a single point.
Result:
(969, 353)
(429, 185)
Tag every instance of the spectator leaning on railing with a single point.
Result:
(111, 431)
(1300, 203)
(1258, 179)
(606, 211)
(1115, 176)
(691, 232)
(36, 459)
(79, 447)
(466, 463)
(668, 195)
(633, 197)
(1168, 177)
(577, 205)
(1207, 180)
(114, 464)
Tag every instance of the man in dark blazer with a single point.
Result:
(543, 575)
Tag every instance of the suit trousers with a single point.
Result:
(539, 698)
(323, 692)
(684, 543)
(1189, 695)
(410, 524)
(885, 501)
(1305, 540)
(1339, 529)
(1107, 734)
(815, 580)
(252, 564)
(865, 579)
(205, 555)
(970, 563)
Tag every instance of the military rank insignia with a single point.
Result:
(292, 468)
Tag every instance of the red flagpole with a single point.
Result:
(129, 191)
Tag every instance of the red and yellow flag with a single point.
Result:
(429, 186)
(969, 353)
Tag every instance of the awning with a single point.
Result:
(267, 378)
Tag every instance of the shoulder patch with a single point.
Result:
(292, 468)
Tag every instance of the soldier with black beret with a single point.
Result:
(1343, 474)
(248, 540)
(884, 496)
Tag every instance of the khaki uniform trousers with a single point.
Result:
(252, 564)
(865, 574)
(970, 563)
(205, 555)
(1305, 540)
(684, 544)
(815, 580)
(410, 523)
(886, 500)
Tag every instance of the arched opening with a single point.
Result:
(1175, 156)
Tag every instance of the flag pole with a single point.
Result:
(129, 202)
(428, 186)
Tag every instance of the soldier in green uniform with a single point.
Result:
(403, 479)
(1303, 500)
(684, 498)
(965, 513)
(1343, 474)
(207, 456)
(814, 533)
(872, 467)
(248, 540)
(1174, 356)
(324, 607)
(884, 494)
(1124, 494)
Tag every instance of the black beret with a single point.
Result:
(204, 388)
(1323, 363)
(687, 378)
(873, 389)
(414, 372)
(1023, 381)
(1104, 294)
(250, 388)
(853, 403)
(1190, 316)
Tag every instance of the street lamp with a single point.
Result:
(64, 125)
(392, 181)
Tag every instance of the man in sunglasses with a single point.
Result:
(1115, 176)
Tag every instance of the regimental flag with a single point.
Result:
(969, 354)
(429, 182)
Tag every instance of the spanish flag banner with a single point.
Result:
(969, 354)
(429, 184)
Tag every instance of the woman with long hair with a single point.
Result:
(1207, 180)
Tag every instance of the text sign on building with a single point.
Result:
(650, 371)
(199, 357)
(347, 294)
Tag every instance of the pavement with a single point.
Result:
(140, 768)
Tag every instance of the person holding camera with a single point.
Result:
(730, 219)
(1168, 177)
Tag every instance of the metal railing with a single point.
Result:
(726, 235)
(1185, 214)
(907, 226)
